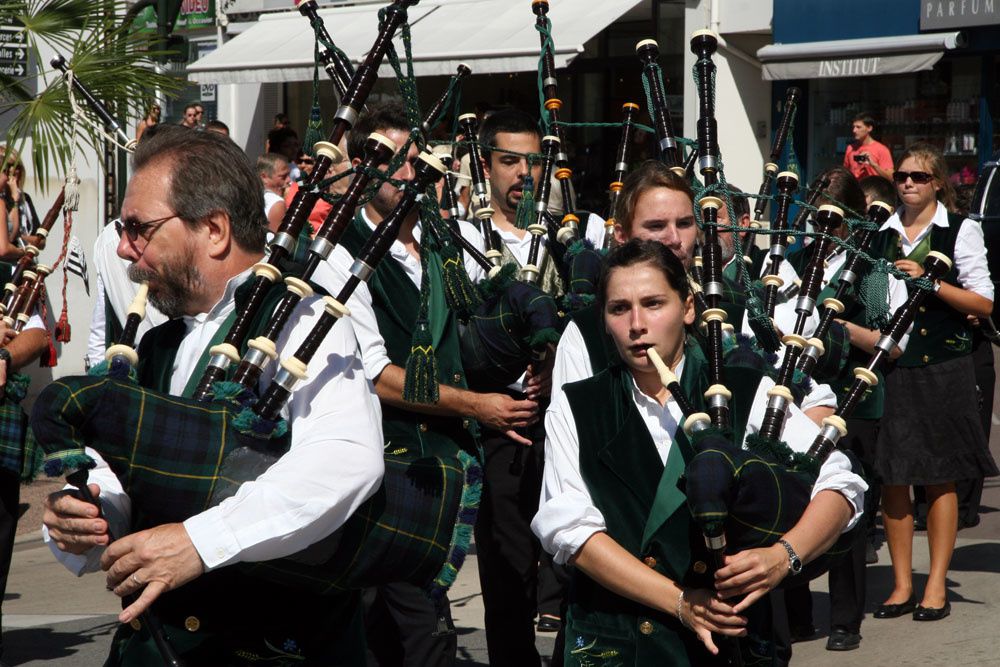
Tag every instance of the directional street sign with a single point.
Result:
(13, 48)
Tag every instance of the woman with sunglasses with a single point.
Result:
(13, 205)
(610, 502)
(931, 434)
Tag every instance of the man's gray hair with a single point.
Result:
(208, 174)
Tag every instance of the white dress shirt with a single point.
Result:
(567, 516)
(335, 461)
(970, 249)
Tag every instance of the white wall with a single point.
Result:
(87, 222)
(743, 101)
(248, 109)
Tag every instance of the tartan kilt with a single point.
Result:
(754, 495)
(15, 451)
(177, 457)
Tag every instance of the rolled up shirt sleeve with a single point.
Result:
(567, 516)
(970, 259)
(335, 461)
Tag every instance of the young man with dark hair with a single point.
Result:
(865, 156)
(403, 624)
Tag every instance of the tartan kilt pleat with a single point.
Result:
(174, 459)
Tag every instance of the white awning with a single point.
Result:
(490, 36)
(872, 56)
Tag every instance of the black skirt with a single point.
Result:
(931, 432)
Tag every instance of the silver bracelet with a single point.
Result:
(680, 609)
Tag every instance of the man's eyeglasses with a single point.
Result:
(133, 229)
(305, 161)
(919, 177)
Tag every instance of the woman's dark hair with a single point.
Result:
(638, 251)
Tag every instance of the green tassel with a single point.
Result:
(495, 286)
(526, 207)
(873, 293)
(461, 537)
(421, 384)
(458, 289)
(314, 130)
(761, 325)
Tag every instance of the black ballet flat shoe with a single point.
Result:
(895, 610)
(548, 623)
(842, 640)
(931, 613)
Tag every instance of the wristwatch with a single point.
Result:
(794, 562)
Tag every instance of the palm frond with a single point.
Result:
(113, 62)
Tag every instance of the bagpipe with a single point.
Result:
(177, 456)
(749, 496)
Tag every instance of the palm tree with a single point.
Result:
(114, 62)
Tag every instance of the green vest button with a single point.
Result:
(699, 567)
(136, 625)
(423, 427)
(922, 309)
(646, 628)
(192, 624)
(649, 561)
(466, 424)
(457, 377)
(926, 359)
(923, 332)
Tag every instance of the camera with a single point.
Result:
(861, 158)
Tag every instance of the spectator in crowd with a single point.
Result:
(285, 142)
(190, 118)
(877, 188)
(865, 156)
(199, 109)
(217, 126)
(273, 170)
(338, 187)
(931, 434)
(152, 118)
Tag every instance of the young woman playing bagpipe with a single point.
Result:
(931, 434)
(611, 504)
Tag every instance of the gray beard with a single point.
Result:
(173, 288)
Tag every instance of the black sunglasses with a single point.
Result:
(919, 177)
(306, 160)
(133, 229)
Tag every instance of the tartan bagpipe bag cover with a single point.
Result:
(176, 457)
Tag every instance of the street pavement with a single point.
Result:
(55, 619)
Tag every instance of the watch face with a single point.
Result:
(796, 565)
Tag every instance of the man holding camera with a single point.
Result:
(865, 156)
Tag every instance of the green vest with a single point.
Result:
(645, 512)
(396, 302)
(238, 614)
(940, 333)
(873, 401)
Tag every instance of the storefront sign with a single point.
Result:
(945, 14)
(194, 15)
(837, 68)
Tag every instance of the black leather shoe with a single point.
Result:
(931, 613)
(548, 623)
(842, 640)
(895, 610)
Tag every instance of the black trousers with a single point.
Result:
(10, 496)
(506, 549)
(847, 576)
(404, 628)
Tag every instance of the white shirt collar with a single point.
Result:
(895, 222)
(223, 306)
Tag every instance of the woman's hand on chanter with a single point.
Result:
(703, 612)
